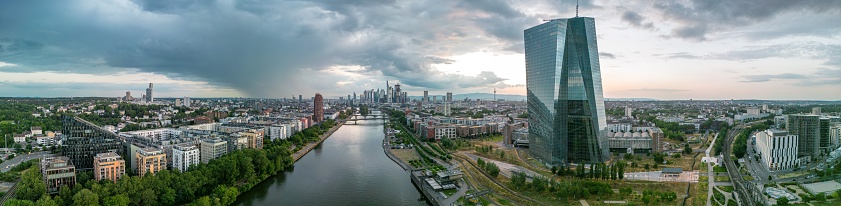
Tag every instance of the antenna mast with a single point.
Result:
(576, 8)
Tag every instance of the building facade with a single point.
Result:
(82, 140)
(58, 172)
(318, 108)
(185, 156)
(807, 129)
(108, 166)
(777, 149)
(149, 94)
(150, 161)
(564, 92)
(212, 149)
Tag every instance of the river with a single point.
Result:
(348, 168)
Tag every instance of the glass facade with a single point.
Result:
(565, 99)
(83, 140)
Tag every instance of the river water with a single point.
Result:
(348, 168)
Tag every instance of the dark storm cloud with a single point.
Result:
(257, 47)
(636, 20)
(699, 18)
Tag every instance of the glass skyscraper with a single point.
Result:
(565, 100)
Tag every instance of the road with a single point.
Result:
(741, 187)
(710, 173)
(7, 165)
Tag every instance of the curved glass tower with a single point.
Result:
(564, 85)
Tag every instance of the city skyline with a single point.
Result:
(695, 50)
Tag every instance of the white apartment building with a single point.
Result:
(448, 132)
(620, 127)
(212, 149)
(184, 156)
(777, 149)
(278, 131)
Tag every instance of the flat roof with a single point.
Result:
(672, 170)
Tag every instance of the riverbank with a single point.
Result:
(387, 151)
(300, 153)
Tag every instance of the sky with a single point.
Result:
(692, 49)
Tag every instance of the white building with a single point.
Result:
(448, 132)
(212, 149)
(777, 149)
(36, 130)
(184, 156)
(45, 140)
(278, 131)
(20, 138)
(619, 127)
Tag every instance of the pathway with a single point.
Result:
(710, 172)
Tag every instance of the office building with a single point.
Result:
(807, 128)
(425, 96)
(82, 140)
(108, 166)
(816, 110)
(187, 101)
(449, 97)
(318, 108)
(150, 160)
(149, 94)
(212, 149)
(629, 111)
(777, 149)
(564, 91)
(184, 156)
(58, 172)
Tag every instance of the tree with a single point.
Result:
(85, 197)
(46, 201)
(687, 149)
(783, 201)
(554, 169)
(120, 200)
(17, 202)
(646, 166)
(31, 186)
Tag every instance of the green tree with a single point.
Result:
(687, 149)
(85, 198)
(116, 200)
(31, 185)
(46, 201)
(783, 201)
(17, 202)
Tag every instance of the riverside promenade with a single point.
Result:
(300, 153)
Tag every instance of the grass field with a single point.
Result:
(726, 188)
(794, 174)
(722, 179)
(719, 169)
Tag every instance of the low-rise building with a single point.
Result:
(58, 172)
(150, 160)
(108, 166)
(777, 149)
(184, 156)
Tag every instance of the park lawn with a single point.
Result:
(698, 194)
(722, 179)
(726, 188)
(748, 178)
(794, 174)
(450, 192)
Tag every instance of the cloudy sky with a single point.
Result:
(698, 49)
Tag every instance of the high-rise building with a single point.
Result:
(187, 101)
(128, 96)
(149, 94)
(108, 166)
(177, 102)
(629, 111)
(184, 156)
(564, 88)
(807, 128)
(212, 149)
(83, 140)
(777, 149)
(318, 108)
(150, 160)
(425, 96)
(449, 97)
(816, 110)
(826, 143)
(58, 172)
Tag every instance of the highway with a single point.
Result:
(7, 165)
